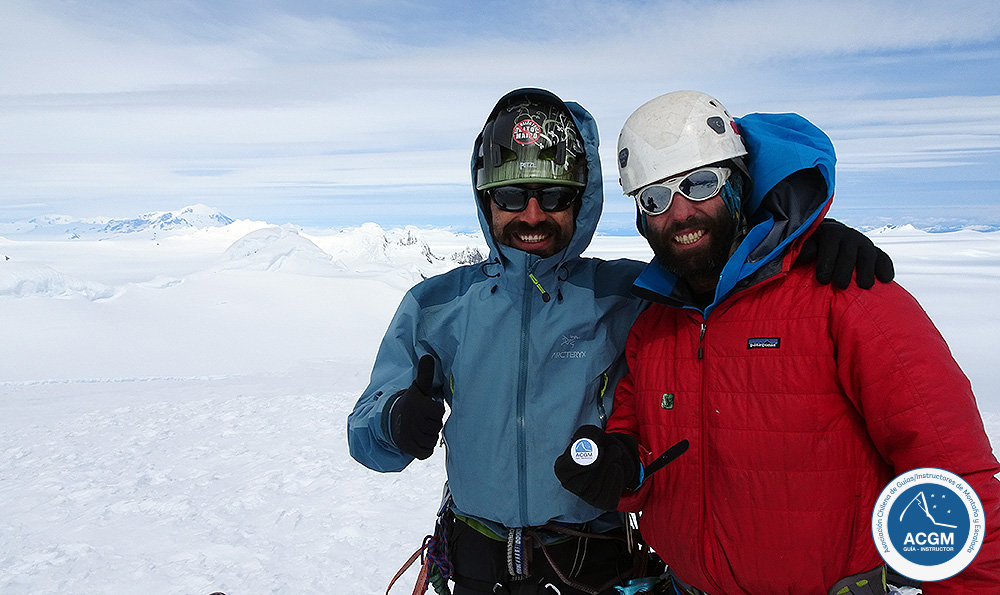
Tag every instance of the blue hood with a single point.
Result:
(779, 145)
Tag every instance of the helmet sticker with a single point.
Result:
(527, 132)
(544, 126)
(623, 157)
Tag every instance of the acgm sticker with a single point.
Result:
(928, 524)
(584, 451)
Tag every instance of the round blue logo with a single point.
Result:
(584, 451)
(928, 524)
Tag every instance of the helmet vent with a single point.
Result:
(560, 156)
(495, 158)
(717, 124)
(504, 155)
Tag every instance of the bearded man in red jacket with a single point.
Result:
(800, 402)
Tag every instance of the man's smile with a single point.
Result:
(533, 238)
(689, 237)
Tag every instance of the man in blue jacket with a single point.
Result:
(524, 348)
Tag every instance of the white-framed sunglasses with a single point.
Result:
(701, 184)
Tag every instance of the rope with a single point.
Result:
(421, 579)
(435, 564)
(436, 550)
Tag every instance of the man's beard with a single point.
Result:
(515, 229)
(703, 263)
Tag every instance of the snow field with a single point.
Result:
(181, 428)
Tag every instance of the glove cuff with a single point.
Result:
(387, 419)
(635, 473)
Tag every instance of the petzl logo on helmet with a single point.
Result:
(928, 524)
(527, 131)
(584, 451)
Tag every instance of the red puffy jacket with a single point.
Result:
(800, 402)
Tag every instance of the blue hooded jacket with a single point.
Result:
(520, 373)
(779, 209)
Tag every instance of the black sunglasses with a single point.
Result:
(550, 198)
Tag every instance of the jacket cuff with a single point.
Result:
(385, 424)
(635, 500)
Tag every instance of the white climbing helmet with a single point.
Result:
(672, 134)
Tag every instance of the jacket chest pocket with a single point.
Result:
(782, 372)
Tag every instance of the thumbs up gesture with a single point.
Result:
(415, 419)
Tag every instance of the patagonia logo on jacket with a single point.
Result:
(764, 343)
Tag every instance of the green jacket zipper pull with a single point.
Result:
(545, 295)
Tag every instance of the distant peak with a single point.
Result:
(190, 217)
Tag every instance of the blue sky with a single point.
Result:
(336, 113)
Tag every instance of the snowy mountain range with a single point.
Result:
(196, 216)
(33, 262)
(156, 224)
(191, 217)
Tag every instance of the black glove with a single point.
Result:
(614, 468)
(415, 418)
(840, 251)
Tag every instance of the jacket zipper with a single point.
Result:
(522, 389)
(705, 512)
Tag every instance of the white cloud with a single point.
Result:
(99, 100)
(45, 54)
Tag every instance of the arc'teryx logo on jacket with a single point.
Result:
(569, 342)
